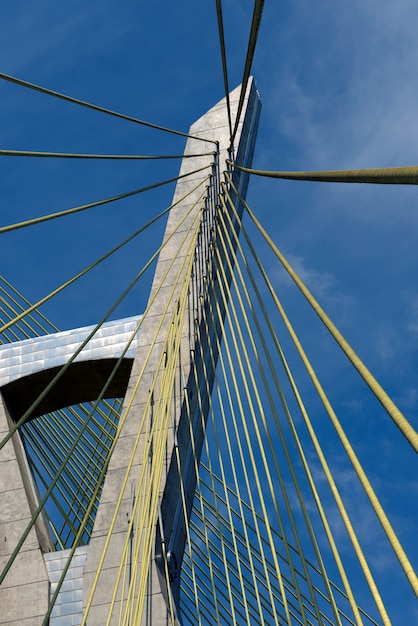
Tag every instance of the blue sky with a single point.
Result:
(339, 90)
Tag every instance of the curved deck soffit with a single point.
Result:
(27, 366)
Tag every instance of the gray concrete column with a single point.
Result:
(170, 532)
(24, 593)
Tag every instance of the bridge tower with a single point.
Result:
(130, 567)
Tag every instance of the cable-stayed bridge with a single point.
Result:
(189, 484)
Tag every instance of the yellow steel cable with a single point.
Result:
(91, 205)
(126, 411)
(260, 618)
(39, 430)
(142, 495)
(208, 594)
(324, 464)
(247, 506)
(39, 313)
(399, 419)
(234, 549)
(56, 535)
(273, 495)
(76, 542)
(174, 354)
(114, 443)
(15, 336)
(56, 94)
(300, 450)
(64, 368)
(213, 546)
(34, 332)
(187, 612)
(224, 559)
(75, 416)
(231, 456)
(231, 259)
(81, 529)
(210, 323)
(214, 590)
(225, 521)
(407, 175)
(42, 479)
(327, 471)
(82, 493)
(241, 346)
(21, 327)
(184, 505)
(35, 306)
(209, 396)
(278, 387)
(311, 565)
(86, 517)
(258, 575)
(159, 447)
(69, 428)
(340, 505)
(36, 451)
(249, 492)
(105, 416)
(124, 559)
(255, 26)
(196, 466)
(26, 324)
(249, 548)
(75, 155)
(74, 468)
(251, 455)
(47, 493)
(208, 591)
(84, 343)
(223, 58)
(259, 578)
(102, 438)
(53, 429)
(128, 406)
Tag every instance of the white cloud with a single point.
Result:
(323, 285)
(343, 85)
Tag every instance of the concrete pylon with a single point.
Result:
(24, 593)
(169, 524)
(26, 590)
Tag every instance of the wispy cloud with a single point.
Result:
(323, 285)
(345, 92)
